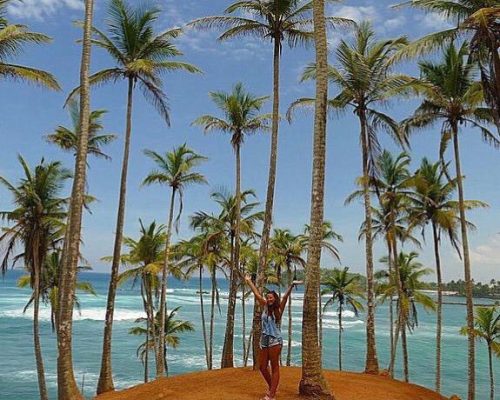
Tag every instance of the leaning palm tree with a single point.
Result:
(434, 205)
(366, 81)
(241, 118)
(279, 22)
(67, 138)
(13, 37)
(142, 56)
(175, 169)
(478, 21)
(171, 330)
(286, 254)
(38, 218)
(312, 382)
(454, 97)
(344, 289)
(487, 328)
(407, 286)
(67, 387)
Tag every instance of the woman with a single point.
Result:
(271, 340)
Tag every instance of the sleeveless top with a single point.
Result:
(269, 326)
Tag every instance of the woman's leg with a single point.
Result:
(264, 361)
(274, 357)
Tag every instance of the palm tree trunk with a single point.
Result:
(42, 387)
(391, 306)
(401, 319)
(244, 325)
(227, 350)
(146, 310)
(320, 317)
(268, 216)
(313, 383)
(492, 379)
(203, 324)
(146, 358)
(212, 314)
(161, 362)
(439, 321)
(404, 345)
(371, 365)
(66, 383)
(289, 349)
(105, 383)
(340, 338)
(467, 269)
(151, 314)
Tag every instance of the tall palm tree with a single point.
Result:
(37, 218)
(365, 79)
(175, 169)
(173, 327)
(312, 382)
(141, 56)
(286, 254)
(434, 205)
(408, 289)
(487, 328)
(67, 387)
(145, 256)
(13, 37)
(478, 21)
(343, 289)
(453, 97)
(67, 138)
(279, 21)
(242, 118)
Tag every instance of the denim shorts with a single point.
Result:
(267, 341)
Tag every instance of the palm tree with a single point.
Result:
(49, 285)
(175, 169)
(434, 204)
(141, 57)
(365, 79)
(343, 289)
(329, 235)
(67, 138)
(242, 118)
(13, 37)
(66, 383)
(407, 287)
(37, 218)
(286, 254)
(453, 96)
(173, 327)
(146, 258)
(487, 327)
(312, 382)
(478, 20)
(279, 21)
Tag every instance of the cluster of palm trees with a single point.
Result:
(461, 88)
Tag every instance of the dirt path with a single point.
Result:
(245, 384)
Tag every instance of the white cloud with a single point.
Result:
(395, 23)
(488, 253)
(39, 9)
(433, 21)
(357, 14)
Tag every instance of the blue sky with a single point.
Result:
(30, 113)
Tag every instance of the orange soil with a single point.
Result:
(245, 384)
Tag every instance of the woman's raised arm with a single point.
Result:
(258, 296)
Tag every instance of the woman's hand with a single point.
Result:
(248, 278)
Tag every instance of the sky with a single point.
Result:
(29, 113)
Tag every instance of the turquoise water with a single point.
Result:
(18, 379)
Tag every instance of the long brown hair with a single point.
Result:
(274, 309)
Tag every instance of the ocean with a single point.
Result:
(18, 377)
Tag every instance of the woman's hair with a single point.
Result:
(274, 309)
